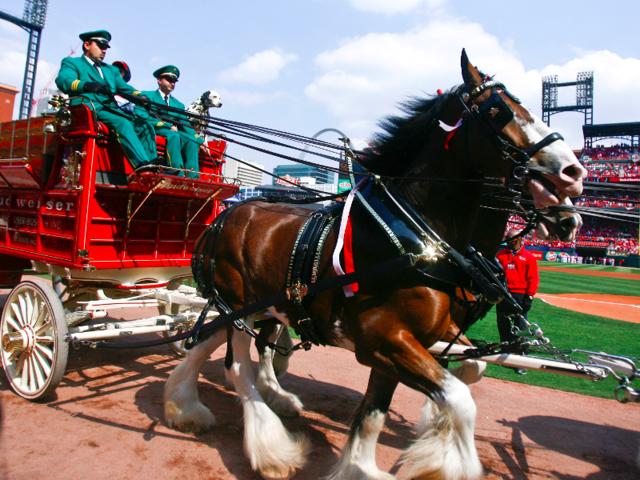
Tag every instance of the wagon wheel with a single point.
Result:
(33, 328)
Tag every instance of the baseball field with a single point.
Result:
(587, 307)
(106, 420)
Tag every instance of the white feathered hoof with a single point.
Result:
(445, 448)
(196, 419)
(285, 404)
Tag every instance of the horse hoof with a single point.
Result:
(197, 419)
(286, 406)
(277, 476)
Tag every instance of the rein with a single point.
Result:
(477, 270)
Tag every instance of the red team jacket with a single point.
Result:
(521, 269)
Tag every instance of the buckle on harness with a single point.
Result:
(296, 292)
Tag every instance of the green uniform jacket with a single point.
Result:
(135, 135)
(156, 97)
(76, 71)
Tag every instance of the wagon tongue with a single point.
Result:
(211, 188)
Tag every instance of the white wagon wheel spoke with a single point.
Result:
(44, 327)
(18, 314)
(15, 325)
(20, 364)
(40, 367)
(39, 313)
(33, 378)
(43, 350)
(30, 301)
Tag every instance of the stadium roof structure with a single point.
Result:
(624, 131)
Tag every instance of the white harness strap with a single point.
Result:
(348, 292)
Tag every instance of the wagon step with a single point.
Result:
(76, 318)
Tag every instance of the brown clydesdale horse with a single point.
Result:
(391, 321)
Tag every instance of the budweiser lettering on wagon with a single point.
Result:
(60, 206)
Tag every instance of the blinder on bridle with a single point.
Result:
(493, 116)
(496, 111)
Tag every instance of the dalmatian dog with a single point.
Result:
(209, 99)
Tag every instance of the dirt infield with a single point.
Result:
(595, 273)
(107, 423)
(618, 307)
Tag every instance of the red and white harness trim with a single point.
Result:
(345, 240)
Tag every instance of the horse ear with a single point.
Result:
(470, 74)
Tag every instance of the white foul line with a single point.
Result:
(585, 300)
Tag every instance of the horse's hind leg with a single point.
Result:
(272, 450)
(358, 460)
(281, 402)
(182, 407)
(280, 362)
(445, 448)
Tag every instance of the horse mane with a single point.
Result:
(393, 151)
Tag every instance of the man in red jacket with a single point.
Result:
(521, 269)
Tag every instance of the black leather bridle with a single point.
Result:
(492, 117)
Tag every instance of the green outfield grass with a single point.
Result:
(596, 268)
(566, 282)
(568, 329)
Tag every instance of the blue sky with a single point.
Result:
(302, 66)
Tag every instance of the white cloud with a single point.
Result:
(260, 68)
(366, 77)
(396, 6)
(12, 65)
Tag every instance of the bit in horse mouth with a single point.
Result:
(545, 193)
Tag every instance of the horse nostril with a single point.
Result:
(574, 171)
(569, 223)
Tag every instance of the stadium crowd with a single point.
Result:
(618, 201)
(594, 160)
(613, 153)
(619, 238)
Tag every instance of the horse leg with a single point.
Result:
(182, 407)
(469, 371)
(273, 452)
(281, 402)
(445, 448)
(281, 362)
(358, 460)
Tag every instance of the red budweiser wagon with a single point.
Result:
(72, 207)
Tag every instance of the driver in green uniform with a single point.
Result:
(183, 142)
(93, 83)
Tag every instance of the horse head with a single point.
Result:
(448, 145)
(554, 173)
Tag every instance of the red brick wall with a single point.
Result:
(7, 99)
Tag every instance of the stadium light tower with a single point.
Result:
(584, 97)
(33, 19)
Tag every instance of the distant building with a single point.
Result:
(43, 100)
(290, 191)
(298, 171)
(249, 176)
(7, 98)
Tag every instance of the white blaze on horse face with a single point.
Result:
(561, 165)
